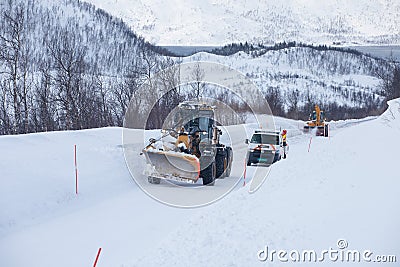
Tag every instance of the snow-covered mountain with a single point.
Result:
(217, 22)
(302, 74)
(108, 45)
(106, 62)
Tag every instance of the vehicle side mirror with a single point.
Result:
(247, 141)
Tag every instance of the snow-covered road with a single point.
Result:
(346, 186)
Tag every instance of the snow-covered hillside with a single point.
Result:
(105, 42)
(345, 186)
(42, 42)
(323, 77)
(218, 22)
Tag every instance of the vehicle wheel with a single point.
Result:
(222, 162)
(276, 158)
(326, 131)
(208, 174)
(226, 167)
(154, 180)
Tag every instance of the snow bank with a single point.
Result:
(391, 117)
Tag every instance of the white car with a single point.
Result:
(264, 147)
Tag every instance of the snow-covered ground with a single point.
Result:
(345, 186)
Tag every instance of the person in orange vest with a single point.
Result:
(284, 143)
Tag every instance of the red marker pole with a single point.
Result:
(97, 257)
(76, 171)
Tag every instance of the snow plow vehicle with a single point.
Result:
(190, 149)
(317, 122)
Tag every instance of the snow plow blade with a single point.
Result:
(172, 165)
(319, 130)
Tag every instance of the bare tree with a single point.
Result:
(105, 117)
(125, 89)
(13, 55)
(293, 98)
(45, 108)
(69, 63)
(5, 120)
(198, 76)
(274, 99)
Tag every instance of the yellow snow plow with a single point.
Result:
(317, 123)
(171, 165)
(190, 151)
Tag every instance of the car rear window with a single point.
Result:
(265, 139)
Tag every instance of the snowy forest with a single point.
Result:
(65, 65)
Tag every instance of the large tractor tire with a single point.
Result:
(221, 161)
(209, 174)
(326, 132)
(229, 154)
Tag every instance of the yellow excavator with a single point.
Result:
(317, 121)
